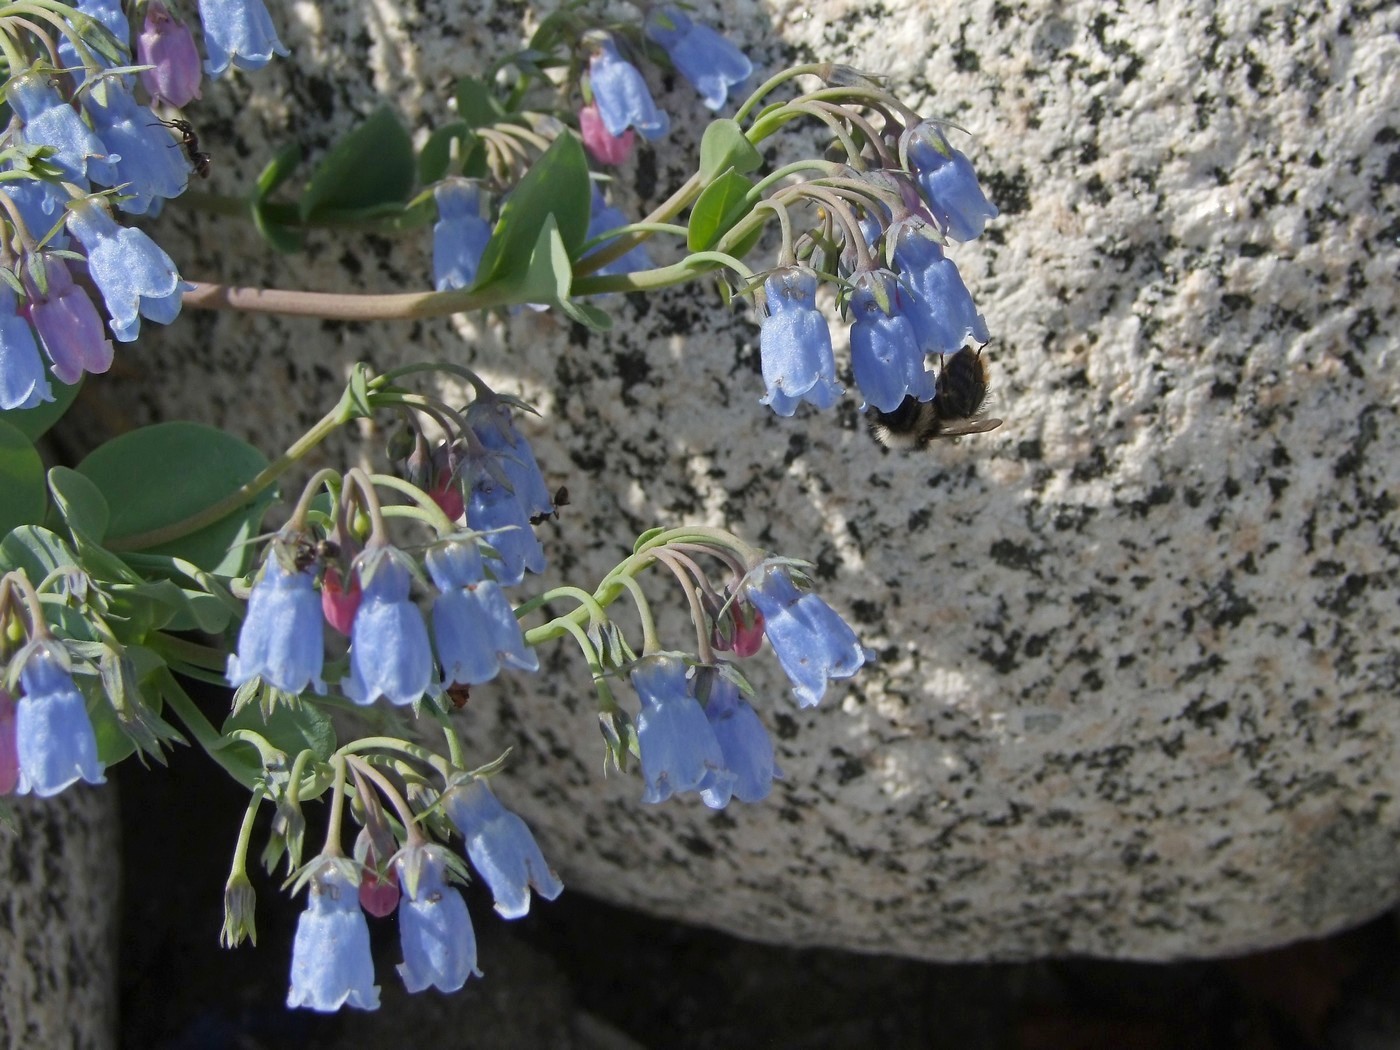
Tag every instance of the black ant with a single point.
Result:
(188, 139)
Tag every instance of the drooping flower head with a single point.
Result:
(50, 121)
(885, 356)
(281, 637)
(460, 235)
(795, 344)
(67, 323)
(135, 277)
(743, 741)
(493, 423)
(167, 46)
(500, 847)
(679, 751)
(331, 962)
(813, 644)
(603, 217)
(621, 93)
(238, 32)
(390, 655)
(493, 507)
(705, 58)
(140, 154)
(435, 930)
(54, 738)
(943, 313)
(949, 184)
(474, 626)
(23, 383)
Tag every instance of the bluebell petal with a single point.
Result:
(460, 235)
(705, 58)
(135, 277)
(621, 94)
(493, 506)
(500, 847)
(238, 32)
(281, 640)
(331, 961)
(885, 356)
(949, 184)
(435, 929)
(795, 345)
(54, 738)
(390, 654)
(811, 641)
(50, 121)
(679, 751)
(745, 744)
(23, 383)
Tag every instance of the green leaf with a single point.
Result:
(723, 203)
(277, 172)
(33, 422)
(477, 105)
(283, 238)
(85, 511)
(368, 171)
(21, 480)
(724, 146)
(556, 185)
(162, 474)
(548, 277)
(37, 551)
(289, 728)
(80, 503)
(436, 154)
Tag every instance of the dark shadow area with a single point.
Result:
(581, 974)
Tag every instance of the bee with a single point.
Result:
(190, 141)
(959, 393)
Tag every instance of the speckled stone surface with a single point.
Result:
(1138, 649)
(58, 935)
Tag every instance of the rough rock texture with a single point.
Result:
(58, 931)
(1138, 648)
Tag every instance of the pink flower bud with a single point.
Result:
(606, 149)
(9, 754)
(168, 47)
(378, 898)
(339, 605)
(448, 496)
(68, 324)
(748, 629)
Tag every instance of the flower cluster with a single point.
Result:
(331, 963)
(884, 231)
(80, 127)
(696, 731)
(619, 103)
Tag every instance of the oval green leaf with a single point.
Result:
(724, 146)
(370, 170)
(160, 475)
(557, 185)
(723, 203)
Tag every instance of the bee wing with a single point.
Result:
(970, 426)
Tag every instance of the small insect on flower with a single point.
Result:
(958, 397)
(200, 162)
(561, 499)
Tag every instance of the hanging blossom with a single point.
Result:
(238, 33)
(705, 58)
